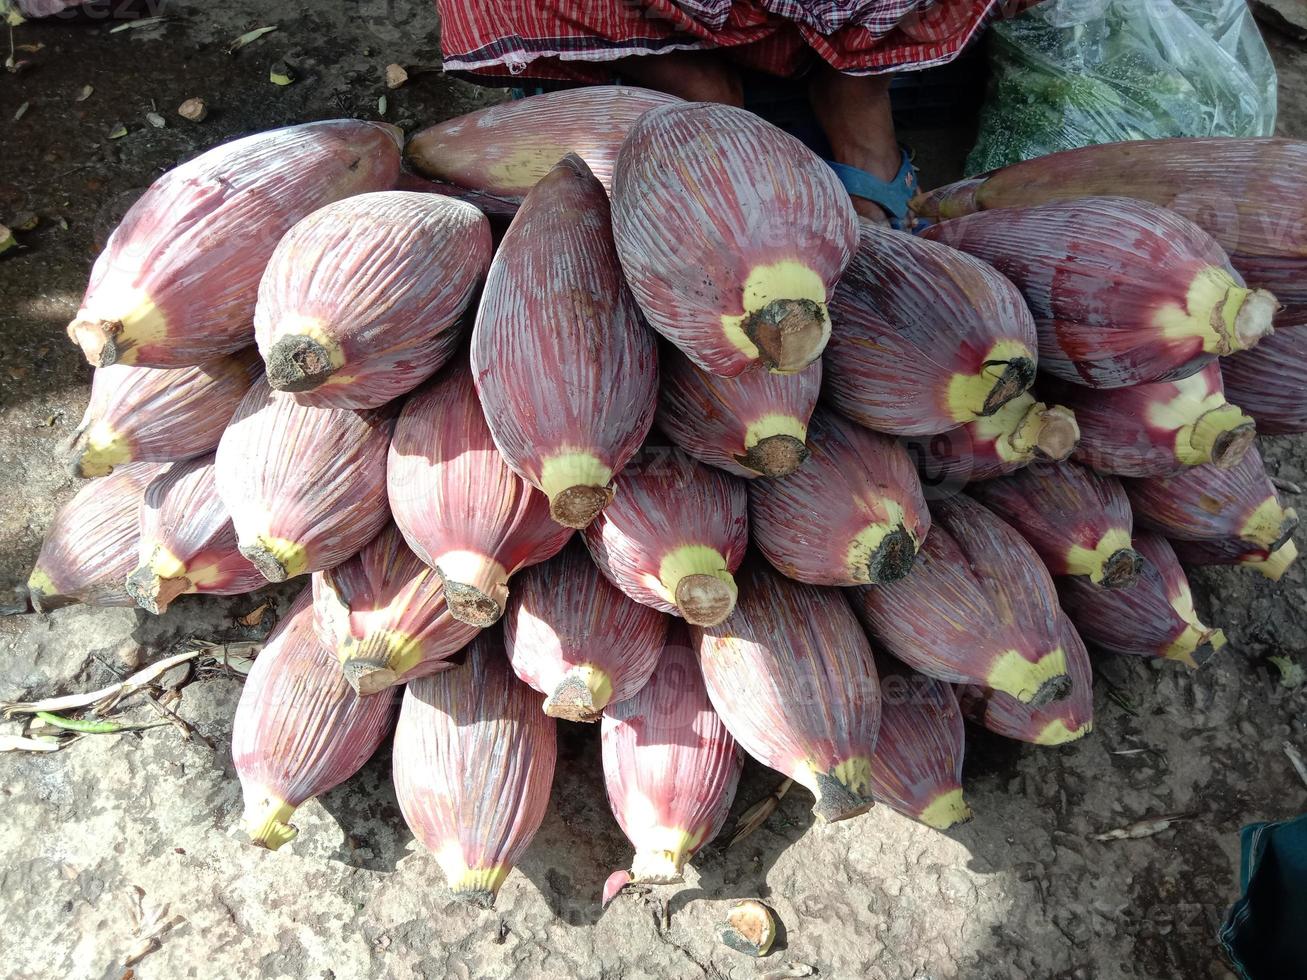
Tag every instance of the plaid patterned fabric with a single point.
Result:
(570, 40)
(712, 14)
(877, 17)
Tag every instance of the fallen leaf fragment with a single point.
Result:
(249, 37)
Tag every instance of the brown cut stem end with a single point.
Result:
(789, 333)
(1255, 318)
(704, 600)
(1017, 377)
(266, 562)
(97, 339)
(1287, 529)
(298, 363)
(1058, 433)
(368, 676)
(481, 898)
(1229, 447)
(577, 506)
(1122, 568)
(835, 801)
(574, 700)
(470, 605)
(1054, 689)
(77, 462)
(775, 456)
(1207, 648)
(893, 558)
(152, 593)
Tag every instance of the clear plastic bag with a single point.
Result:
(1072, 73)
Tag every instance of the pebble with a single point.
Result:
(193, 109)
(395, 76)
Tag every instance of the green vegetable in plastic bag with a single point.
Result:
(1072, 73)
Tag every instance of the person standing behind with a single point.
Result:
(846, 50)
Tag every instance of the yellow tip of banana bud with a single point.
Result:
(785, 324)
(946, 810)
(775, 456)
(40, 585)
(116, 338)
(267, 822)
(1040, 431)
(476, 886)
(1008, 371)
(1253, 318)
(1270, 525)
(368, 677)
(884, 551)
(476, 587)
(578, 486)
(1277, 562)
(660, 867)
(706, 600)
(378, 661)
(578, 505)
(1216, 639)
(789, 333)
(1057, 733)
(277, 559)
(581, 695)
(154, 592)
(1225, 316)
(97, 450)
(843, 792)
(1036, 683)
(1195, 646)
(1054, 433)
(696, 580)
(1221, 437)
(1111, 563)
(97, 339)
(775, 445)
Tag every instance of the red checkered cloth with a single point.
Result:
(570, 40)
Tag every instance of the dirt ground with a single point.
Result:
(118, 833)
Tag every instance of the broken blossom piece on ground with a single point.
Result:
(750, 928)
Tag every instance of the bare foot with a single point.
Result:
(854, 111)
(696, 76)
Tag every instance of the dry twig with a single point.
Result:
(1295, 758)
(107, 698)
(150, 926)
(1142, 828)
(757, 815)
(45, 743)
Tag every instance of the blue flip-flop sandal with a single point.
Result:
(892, 196)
